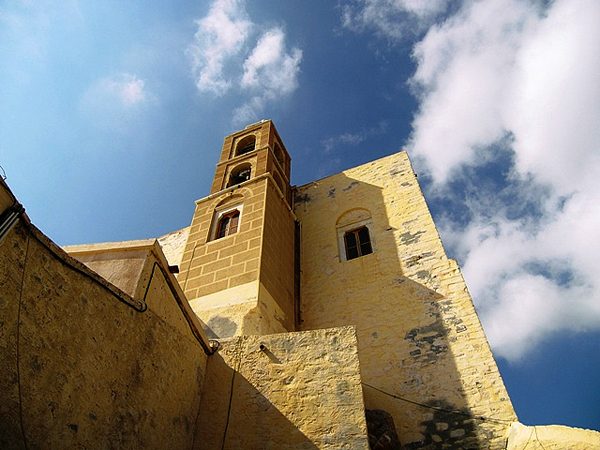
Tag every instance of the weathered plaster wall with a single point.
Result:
(302, 391)
(553, 437)
(81, 367)
(418, 332)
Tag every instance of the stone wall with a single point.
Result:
(242, 283)
(286, 391)
(210, 265)
(221, 277)
(277, 260)
(173, 245)
(424, 357)
(85, 365)
(552, 437)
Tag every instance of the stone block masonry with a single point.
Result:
(83, 363)
(284, 391)
(424, 357)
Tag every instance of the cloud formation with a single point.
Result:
(393, 19)
(507, 130)
(114, 101)
(229, 54)
(125, 89)
(220, 37)
(270, 72)
(352, 139)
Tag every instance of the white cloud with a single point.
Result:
(128, 89)
(115, 101)
(220, 37)
(352, 139)
(345, 139)
(220, 63)
(270, 71)
(392, 18)
(523, 75)
(124, 89)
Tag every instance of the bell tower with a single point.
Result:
(237, 268)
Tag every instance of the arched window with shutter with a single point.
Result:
(355, 234)
(228, 224)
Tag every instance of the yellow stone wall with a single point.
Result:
(277, 262)
(173, 245)
(262, 158)
(84, 364)
(418, 333)
(552, 437)
(210, 266)
(302, 391)
(242, 283)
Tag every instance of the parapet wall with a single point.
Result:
(284, 391)
(551, 437)
(85, 365)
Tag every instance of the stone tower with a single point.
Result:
(237, 268)
(357, 248)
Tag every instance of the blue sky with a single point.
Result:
(112, 115)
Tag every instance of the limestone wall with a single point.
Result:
(242, 283)
(220, 277)
(277, 261)
(85, 365)
(420, 340)
(300, 391)
(552, 437)
(173, 245)
(210, 265)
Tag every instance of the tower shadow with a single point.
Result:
(423, 354)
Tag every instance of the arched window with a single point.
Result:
(355, 234)
(246, 145)
(240, 174)
(357, 243)
(228, 224)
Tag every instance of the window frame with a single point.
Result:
(359, 243)
(349, 227)
(227, 223)
(219, 216)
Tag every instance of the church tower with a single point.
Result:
(237, 268)
(355, 249)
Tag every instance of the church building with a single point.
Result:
(323, 316)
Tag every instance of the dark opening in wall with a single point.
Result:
(246, 145)
(240, 174)
(358, 243)
(279, 155)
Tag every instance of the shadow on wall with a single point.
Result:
(79, 366)
(235, 415)
(427, 386)
(220, 327)
(407, 326)
(284, 391)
